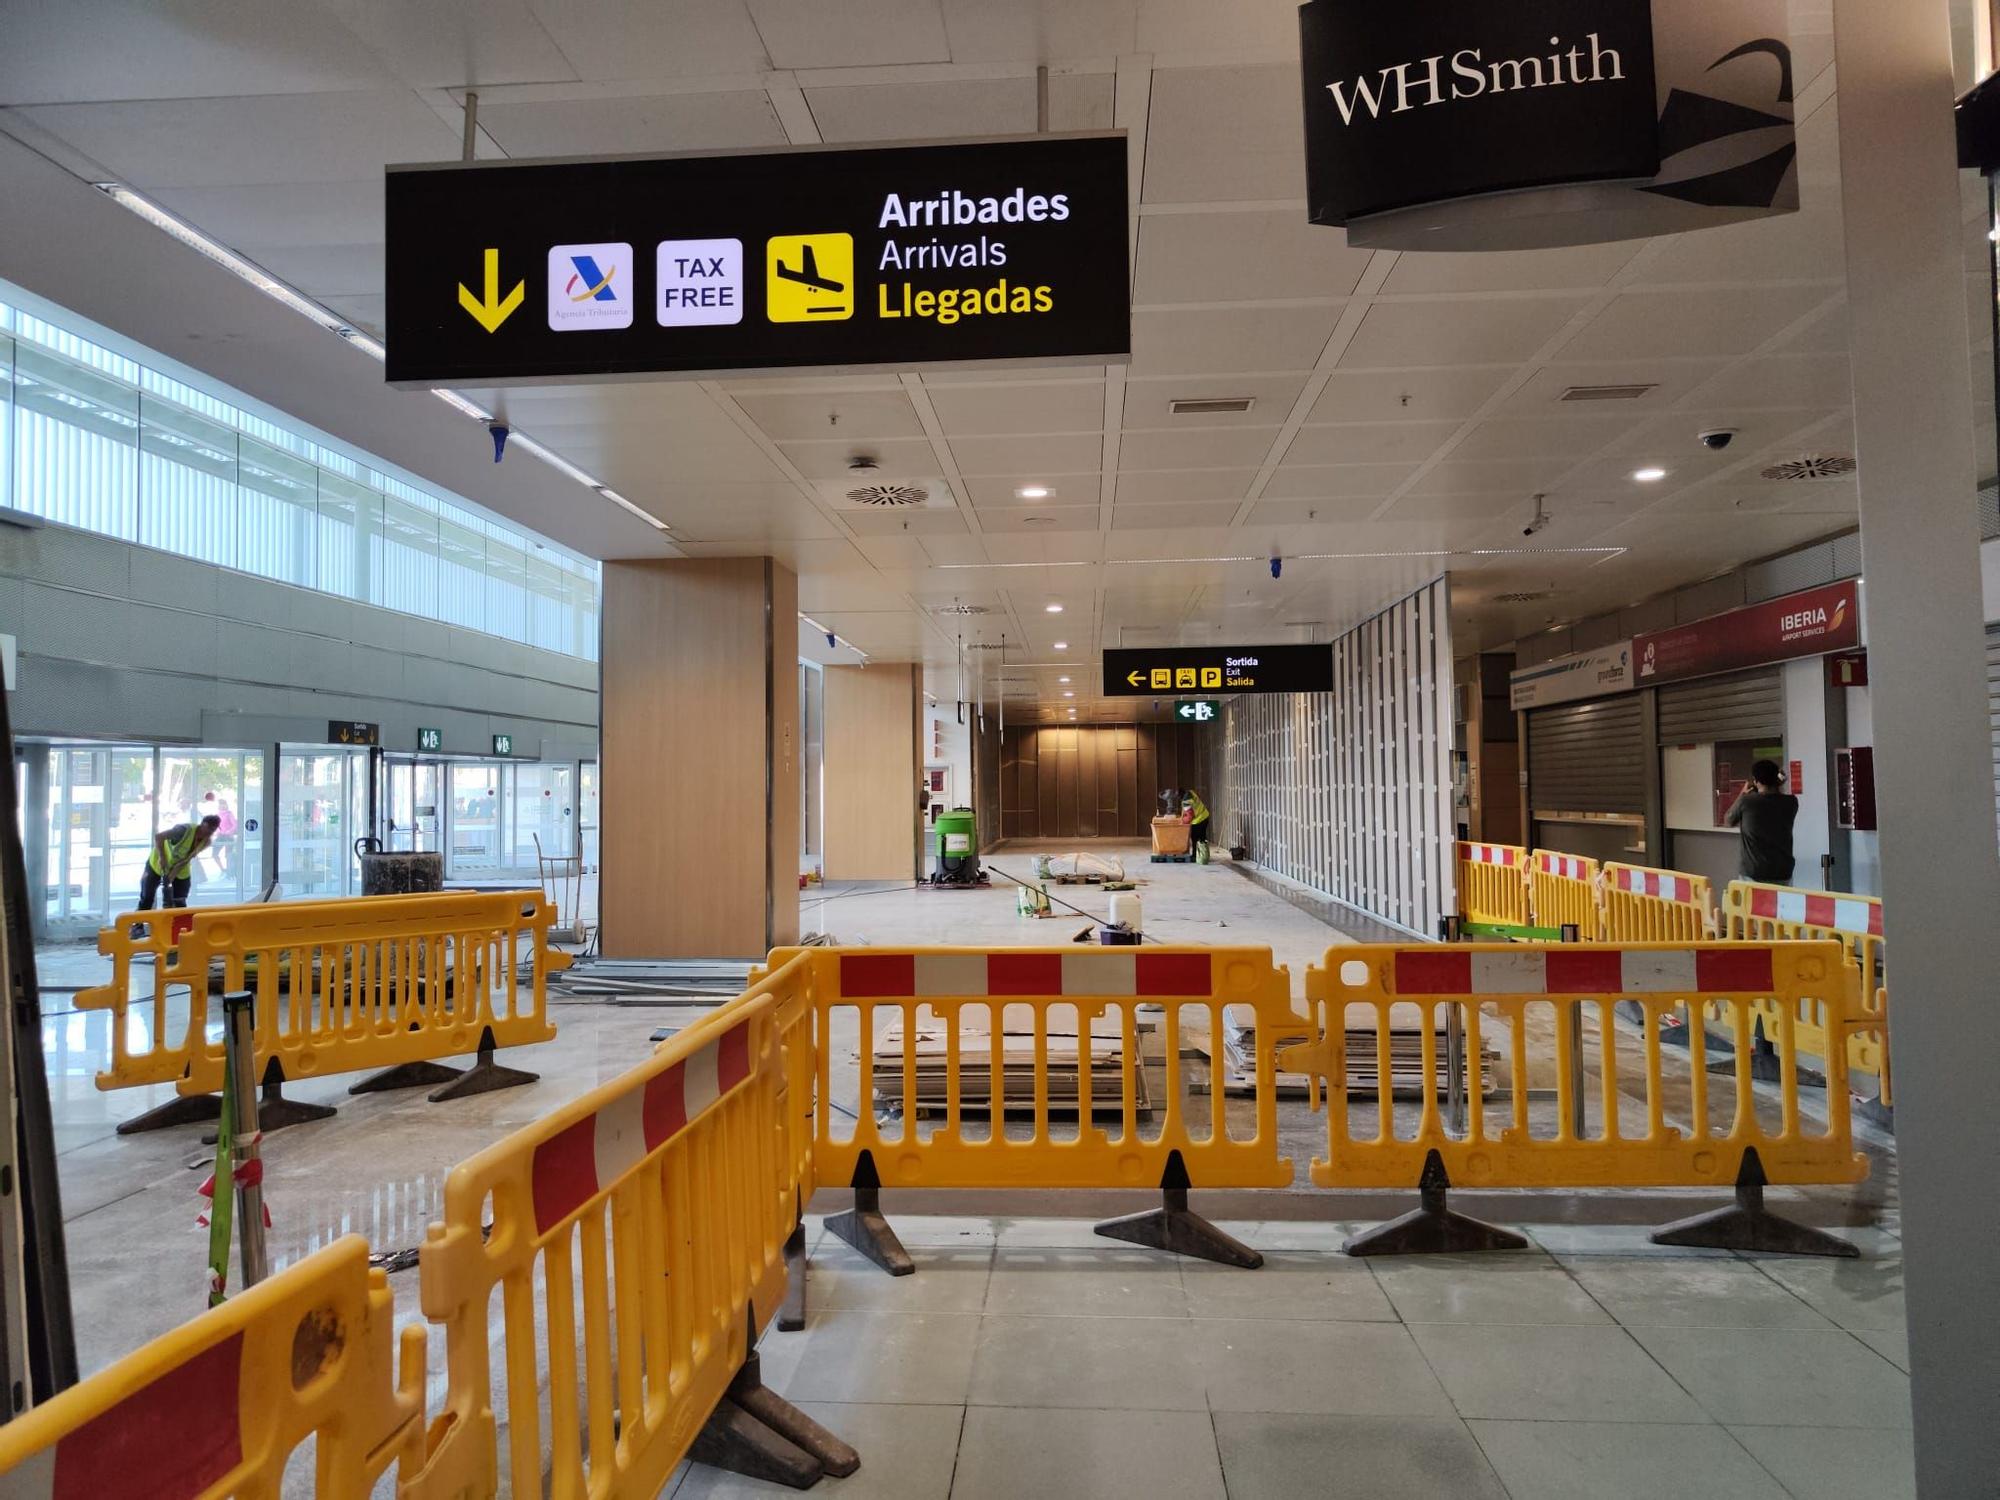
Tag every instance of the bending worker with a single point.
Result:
(1194, 813)
(171, 864)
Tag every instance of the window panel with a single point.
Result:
(75, 443)
(280, 502)
(187, 483)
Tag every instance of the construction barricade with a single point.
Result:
(1642, 905)
(1562, 892)
(1720, 1132)
(1757, 912)
(218, 1406)
(1493, 884)
(393, 982)
(1049, 1067)
(636, 1240)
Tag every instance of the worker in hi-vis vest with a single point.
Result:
(171, 864)
(1194, 813)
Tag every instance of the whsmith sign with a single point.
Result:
(895, 257)
(1465, 124)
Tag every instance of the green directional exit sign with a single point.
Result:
(503, 744)
(430, 739)
(1198, 710)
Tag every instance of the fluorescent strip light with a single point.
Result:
(838, 640)
(1150, 562)
(472, 409)
(645, 515)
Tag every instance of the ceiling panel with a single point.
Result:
(1040, 518)
(1804, 246)
(1050, 453)
(1319, 515)
(1038, 30)
(1489, 476)
(914, 522)
(1184, 486)
(633, 39)
(813, 34)
(1311, 481)
(1690, 321)
(1396, 335)
(896, 458)
(1201, 448)
(327, 270)
(1218, 135)
(1409, 395)
(990, 492)
(1579, 267)
(1672, 380)
(834, 416)
(1236, 257)
(927, 111)
(639, 123)
(1217, 341)
(238, 142)
(967, 410)
(1545, 437)
(448, 43)
(1171, 517)
(1148, 403)
(1380, 442)
(285, 213)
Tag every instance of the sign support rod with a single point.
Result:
(1042, 99)
(471, 125)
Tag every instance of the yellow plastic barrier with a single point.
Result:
(216, 1407)
(1562, 892)
(1751, 910)
(1493, 883)
(636, 1244)
(1076, 1069)
(340, 985)
(1506, 993)
(1643, 905)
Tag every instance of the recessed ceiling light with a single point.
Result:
(1062, 645)
(1648, 476)
(1054, 609)
(1062, 679)
(1033, 492)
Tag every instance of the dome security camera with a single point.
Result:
(1715, 439)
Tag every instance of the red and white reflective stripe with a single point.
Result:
(175, 1438)
(576, 1164)
(1489, 854)
(1564, 866)
(1660, 883)
(1584, 971)
(945, 976)
(1850, 914)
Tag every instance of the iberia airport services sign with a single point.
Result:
(1145, 672)
(1470, 125)
(892, 257)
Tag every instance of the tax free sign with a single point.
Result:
(882, 258)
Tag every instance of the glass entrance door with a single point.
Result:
(415, 817)
(475, 821)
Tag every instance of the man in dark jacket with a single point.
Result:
(1765, 813)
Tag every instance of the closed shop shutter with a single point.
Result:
(1588, 757)
(1993, 706)
(1739, 706)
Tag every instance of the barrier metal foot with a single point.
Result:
(1174, 1226)
(409, 1075)
(863, 1226)
(274, 1110)
(834, 1455)
(1432, 1228)
(190, 1109)
(1748, 1225)
(484, 1076)
(792, 1312)
(1875, 1112)
(733, 1440)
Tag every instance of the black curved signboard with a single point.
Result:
(894, 256)
(1419, 101)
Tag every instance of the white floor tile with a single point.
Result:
(1523, 1287)
(1856, 1294)
(1291, 1286)
(1783, 1376)
(1629, 1460)
(1551, 1374)
(1288, 1456)
(1690, 1292)
(1145, 1364)
(1824, 1463)
(886, 1358)
(1008, 1453)
(1105, 1282)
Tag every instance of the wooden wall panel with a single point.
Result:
(699, 860)
(1096, 781)
(873, 720)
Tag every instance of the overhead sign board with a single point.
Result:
(892, 257)
(430, 739)
(352, 732)
(1812, 623)
(1221, 669)
(1198, 710)
(1583, 674)
(503, 744)
(1465, 125)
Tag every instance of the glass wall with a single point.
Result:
(93, 439)
(322, 811)
(812, 761)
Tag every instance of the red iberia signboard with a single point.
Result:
(1812, 623)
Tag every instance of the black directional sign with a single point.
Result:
(1218, 669)
(897, 257)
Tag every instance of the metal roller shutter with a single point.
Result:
(1740, 706)
(1588, 757)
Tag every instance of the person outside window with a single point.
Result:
(1764, 813)
(170, 867)
(225, 831)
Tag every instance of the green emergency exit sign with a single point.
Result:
(430, 739)
(503, 744)
(1198, 710)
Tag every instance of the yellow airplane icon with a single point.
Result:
(492, 310)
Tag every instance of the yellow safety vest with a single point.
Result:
(179, 855)
(1199, 812)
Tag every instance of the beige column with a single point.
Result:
(699, 799)
(874, 715)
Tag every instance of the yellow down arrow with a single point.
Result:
(493, 310)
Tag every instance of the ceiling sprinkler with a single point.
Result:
(498, 430)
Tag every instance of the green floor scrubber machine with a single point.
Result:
(955, 838)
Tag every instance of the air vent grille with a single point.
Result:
(963, 609)
(1521, 596)
(1210, 406)
(888, 496)
(1811, 468)
(1606, 392)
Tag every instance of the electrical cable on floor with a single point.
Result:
(1060, 902)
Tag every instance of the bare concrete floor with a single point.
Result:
(1027, 1357)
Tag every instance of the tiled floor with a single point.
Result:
(1022, 1360)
